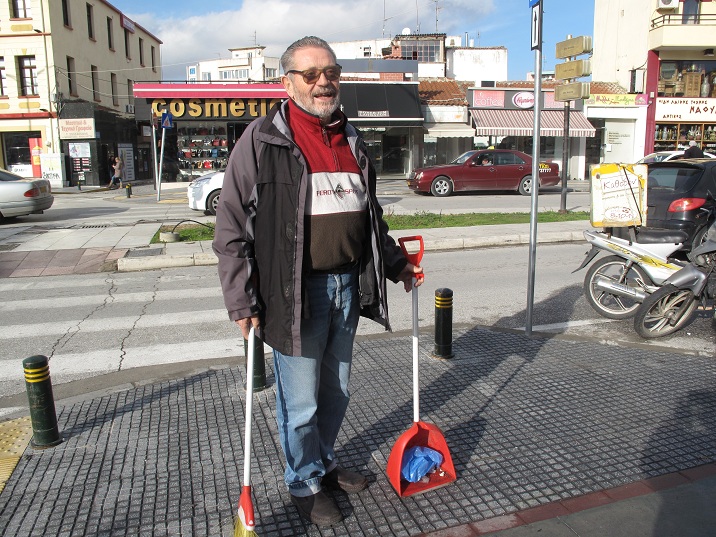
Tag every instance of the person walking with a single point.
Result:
(693, 151)
(303, 251)
(118, 168)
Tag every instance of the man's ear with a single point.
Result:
(287, 85)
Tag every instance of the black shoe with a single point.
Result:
(345, 480)
(318, 508)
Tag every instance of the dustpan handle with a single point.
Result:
(249, 405)
(416, 375)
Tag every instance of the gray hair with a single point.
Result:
(309, 41)
(691, 142)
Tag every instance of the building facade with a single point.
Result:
(245, 64)
(68, 69)
(663, 49)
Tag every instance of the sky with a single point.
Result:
(192, 30)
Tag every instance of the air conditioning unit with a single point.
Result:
(129, 108)
(669, 5)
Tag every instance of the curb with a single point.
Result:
(134, 264)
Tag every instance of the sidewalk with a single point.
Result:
(549, 437)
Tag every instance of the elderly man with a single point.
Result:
(303, 252)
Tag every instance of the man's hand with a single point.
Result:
(245, 324)
(407, 274)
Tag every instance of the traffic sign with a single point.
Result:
(573, 69)
(536, 26)
(571, 92)
(574, 46)
(167, 120)
(534, 2)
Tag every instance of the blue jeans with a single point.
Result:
(312, 390)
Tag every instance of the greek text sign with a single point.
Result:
(77, 129)
(686, 109)
(618, 195)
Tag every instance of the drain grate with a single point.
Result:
(94, 226)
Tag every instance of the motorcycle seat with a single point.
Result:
(656, 236)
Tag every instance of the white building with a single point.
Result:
(67, 71)
(246, 64)
(663, 51)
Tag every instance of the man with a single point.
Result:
(303, 252)
(693, 151)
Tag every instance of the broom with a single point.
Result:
(245, 523)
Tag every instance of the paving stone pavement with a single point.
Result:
(528, 421)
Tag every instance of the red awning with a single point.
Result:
(521, 123)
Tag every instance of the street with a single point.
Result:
(105, 329)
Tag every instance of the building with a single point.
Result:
(663, 49)
(67, 72)
(246, 64)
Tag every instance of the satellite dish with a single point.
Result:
(405, 31)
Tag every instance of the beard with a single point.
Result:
(323, 109)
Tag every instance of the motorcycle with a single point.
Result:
(617, 284)
(670, 308)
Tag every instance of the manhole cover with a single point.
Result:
(144, 253)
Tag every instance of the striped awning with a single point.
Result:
(521, 123)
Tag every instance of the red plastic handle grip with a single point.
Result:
(415, 257)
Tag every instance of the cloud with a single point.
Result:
(275, 24)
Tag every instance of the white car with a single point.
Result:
(662, 156)
(20, 196)
(204, 192)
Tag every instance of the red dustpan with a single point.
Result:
(421, 434)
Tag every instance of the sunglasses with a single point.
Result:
(311, 76)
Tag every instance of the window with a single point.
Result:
(90, 21)
(690, 12)
(130, 91)
(243, 73)
(115, 96)
(66, 20)
(271, 72)
(366, 52)
(141, 52)
(3, 81)
(71, 76)
(95, 83)
(127, 35)
(21, 9)
(154, 66)
(206, 76)
(110, 34)
(423, 51)
(27, 69)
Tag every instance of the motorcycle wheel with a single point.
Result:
(607, 304)
(653, 318)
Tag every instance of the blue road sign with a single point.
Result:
(534, 2)
(167, 120)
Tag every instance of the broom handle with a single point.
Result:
(249, 406)
(416, 376)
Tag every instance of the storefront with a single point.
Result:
(210, 118)
(507, 117)
(621, 119)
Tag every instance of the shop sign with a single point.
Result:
(77, 128)
(214, 108)
(686, 109)
(513, 100)
(53, 169)
(488, 99)
(373, 113)
(618, 99)
(524, 99)
(618, 195)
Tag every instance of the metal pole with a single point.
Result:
(565, 159)
(154, 147)
(161, 165)
(535, 188)
(443, 323)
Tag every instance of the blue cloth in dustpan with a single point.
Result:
(418, 462)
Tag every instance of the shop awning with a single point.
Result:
(375, 104)
(521, 123)
(449, 130)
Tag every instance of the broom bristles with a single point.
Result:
(245, 522)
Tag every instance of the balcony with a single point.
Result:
(672, 33)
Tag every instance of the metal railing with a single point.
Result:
(677, 19)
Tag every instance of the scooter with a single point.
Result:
(669, 308)
(617, 284)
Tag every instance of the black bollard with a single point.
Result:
(259, 364)
(128, 190)
(42, 404)
(443, 323)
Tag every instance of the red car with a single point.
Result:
(488, 169)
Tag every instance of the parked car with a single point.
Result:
(204, 192)
(681, 195)
(663, 156)
(20, 196)
(490, 169)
